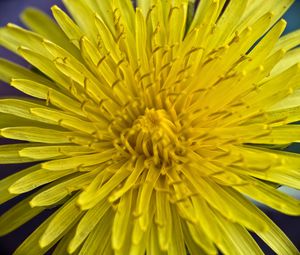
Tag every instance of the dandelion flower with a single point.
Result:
(150, 126)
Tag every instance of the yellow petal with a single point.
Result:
(271, 196)
(130, 181)
(267, 43)
(108, 40)
(201, 239)
(73, 162)
(84, 227)
(22, 108)
(144, 5)
(291, 58)
(62, 246)
(9, 120)
(177, 241)
(9, 154)
(72, 31)
(288, 41)
(255, 10)
(230, 204)
(49, 94)
(36, 179)
(228, 21)
(45, 65)
(163, 218)
(62, 221)
(122, 221)
(236, 239)
(42, 24)
(64, 119)
(269, 165)
(102, 186)
(17, 216)
(192, 246)
(62, 189)
(13, 37)
(20, 213)
(282, 114)
(206, 218)
(9, 71)
(53, 151)
(205, 14)
(83, 16)
(5, 183)
(145, 195)
(100, 237)
(277, 240)
(153, 243)
(35, 134)
(31, 244)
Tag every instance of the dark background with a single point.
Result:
(9, 12)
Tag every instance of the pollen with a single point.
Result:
(154, 136)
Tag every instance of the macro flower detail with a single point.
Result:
(149, 126)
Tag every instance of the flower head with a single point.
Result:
(151, 126)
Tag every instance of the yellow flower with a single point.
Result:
(151, 126)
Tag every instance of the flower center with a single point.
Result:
(155, 136)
